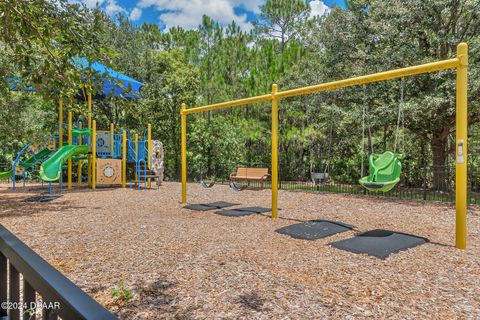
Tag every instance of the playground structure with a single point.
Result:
(459, 63)
(107, 153)
(107, 158)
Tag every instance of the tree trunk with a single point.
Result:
(439, 153)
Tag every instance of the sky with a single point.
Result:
(188, 13)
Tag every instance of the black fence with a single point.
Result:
(42, 287)
(426, 183)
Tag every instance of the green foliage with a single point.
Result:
(282, 19)
(173, 82)
(40, 37)
(123, 293)
(24, 118)
(214, 64)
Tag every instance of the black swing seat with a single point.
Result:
(207, 185)
(237, 188)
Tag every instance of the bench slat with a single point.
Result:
(251, 174)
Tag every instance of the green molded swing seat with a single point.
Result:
(385, 170)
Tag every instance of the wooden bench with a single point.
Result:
(248, 174)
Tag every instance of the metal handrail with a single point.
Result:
(68, 300)
(139, 162)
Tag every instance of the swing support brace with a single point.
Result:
(460, 64)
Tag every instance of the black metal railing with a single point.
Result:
(426, 183)
(57, 296)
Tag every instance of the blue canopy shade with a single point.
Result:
(16, 83)
(109, 80)
(105, 79)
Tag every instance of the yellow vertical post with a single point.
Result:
(136, 155)
(70, 142)
(461, 147)
(112, 140)
(60, 122)
(89, 105)
(94, 154)
(274, 151)
(149, 151)
(124, 159)
(79, 164)
(184, 152)
(89, 123)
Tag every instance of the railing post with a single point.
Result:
(274, 151)
(14, 291)
(461, 147)
(3, 285)
(49, 314)
(184, 152)
(29, 298)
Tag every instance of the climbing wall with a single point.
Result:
(156, 160)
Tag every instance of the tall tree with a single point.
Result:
(175, 82)
(40, 37)
(282, 19)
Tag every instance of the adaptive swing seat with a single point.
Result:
(385, 172)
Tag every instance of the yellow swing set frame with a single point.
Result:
(459, 63)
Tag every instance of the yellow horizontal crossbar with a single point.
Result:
(234, 103)
(381, 76)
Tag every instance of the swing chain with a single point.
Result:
(400, 117)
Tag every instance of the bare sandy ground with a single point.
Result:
(183, 264)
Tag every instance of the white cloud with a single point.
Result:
(135, 14)
(318, 8)
(112, 8)
(188, 13)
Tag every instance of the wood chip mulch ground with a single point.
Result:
(183, 264)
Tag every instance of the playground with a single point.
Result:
(181, 263)
(298, 165)
(211, 250)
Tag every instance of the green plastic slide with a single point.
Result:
(385, 170)
(79, 132)
(30, 162)
(51, 168)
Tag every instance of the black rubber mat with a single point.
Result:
(255, 209)
(235, 213)
(199, 207)
(221, 204)
(210, 206)
(380, 243)
(42, 198)
(315, 229)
